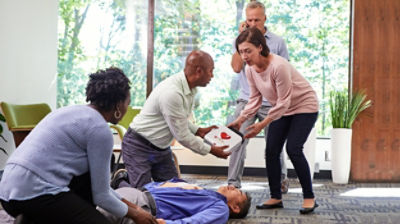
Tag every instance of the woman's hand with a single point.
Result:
(203, 131)
(161, 221)
(254, 129)
(237, 123)
(139, 215)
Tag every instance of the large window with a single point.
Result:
(96, 34)
(182, 26)
(317, 35)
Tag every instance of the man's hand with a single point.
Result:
(218, 151)
(237, 63)
(203, 131)
(243, 26)
(254, 129)
(138, 215)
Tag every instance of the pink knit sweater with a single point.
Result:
(283, 86)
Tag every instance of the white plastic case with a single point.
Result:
(224, 136)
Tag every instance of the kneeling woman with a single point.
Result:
(291, 118)
(61, 170)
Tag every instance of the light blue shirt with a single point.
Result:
(68, 142)
(165, 116)
(277, 46)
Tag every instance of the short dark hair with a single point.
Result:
(255, 37)
(106, 88)
(244, 208)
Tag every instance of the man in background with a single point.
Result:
(255, 17)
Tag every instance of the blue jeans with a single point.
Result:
(293, 129)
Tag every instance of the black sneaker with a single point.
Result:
(119, 176)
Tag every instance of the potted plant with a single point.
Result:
(344, 110)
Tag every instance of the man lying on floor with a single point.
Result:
(176, 201)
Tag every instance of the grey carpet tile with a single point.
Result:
(338, 204)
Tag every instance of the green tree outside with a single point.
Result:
(96, 34)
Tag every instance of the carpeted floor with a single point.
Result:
(352, 203)
(339, 204)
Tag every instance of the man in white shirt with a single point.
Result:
(165, 115)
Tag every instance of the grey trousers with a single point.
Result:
(145, 162)
(133, 195)
(236, 159)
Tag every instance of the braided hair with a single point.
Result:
(106, 88)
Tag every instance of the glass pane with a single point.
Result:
(98, 34)
(182, 26)
(317, 35)
(316, 32)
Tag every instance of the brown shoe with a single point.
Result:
(285, 186)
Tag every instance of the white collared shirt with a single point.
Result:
(165, 116)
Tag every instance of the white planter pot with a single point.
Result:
(341, 154)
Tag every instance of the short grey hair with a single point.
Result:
(255, 4)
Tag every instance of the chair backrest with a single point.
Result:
(126, 120)
(24, 117)
(128, 117)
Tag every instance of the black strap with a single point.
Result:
(152, 203)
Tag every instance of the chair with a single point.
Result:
(21, 119)
(124, 123)
(121, 129)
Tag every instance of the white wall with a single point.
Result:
(28, 56)
(28, 51)
(254, 157)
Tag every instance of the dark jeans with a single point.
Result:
(73, 207)
(293, 129)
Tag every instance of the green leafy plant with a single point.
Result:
(345, 109)
(3, 119)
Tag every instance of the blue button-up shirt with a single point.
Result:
(178, 205)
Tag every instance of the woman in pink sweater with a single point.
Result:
(291, 118)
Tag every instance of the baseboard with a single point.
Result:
(248, 171)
